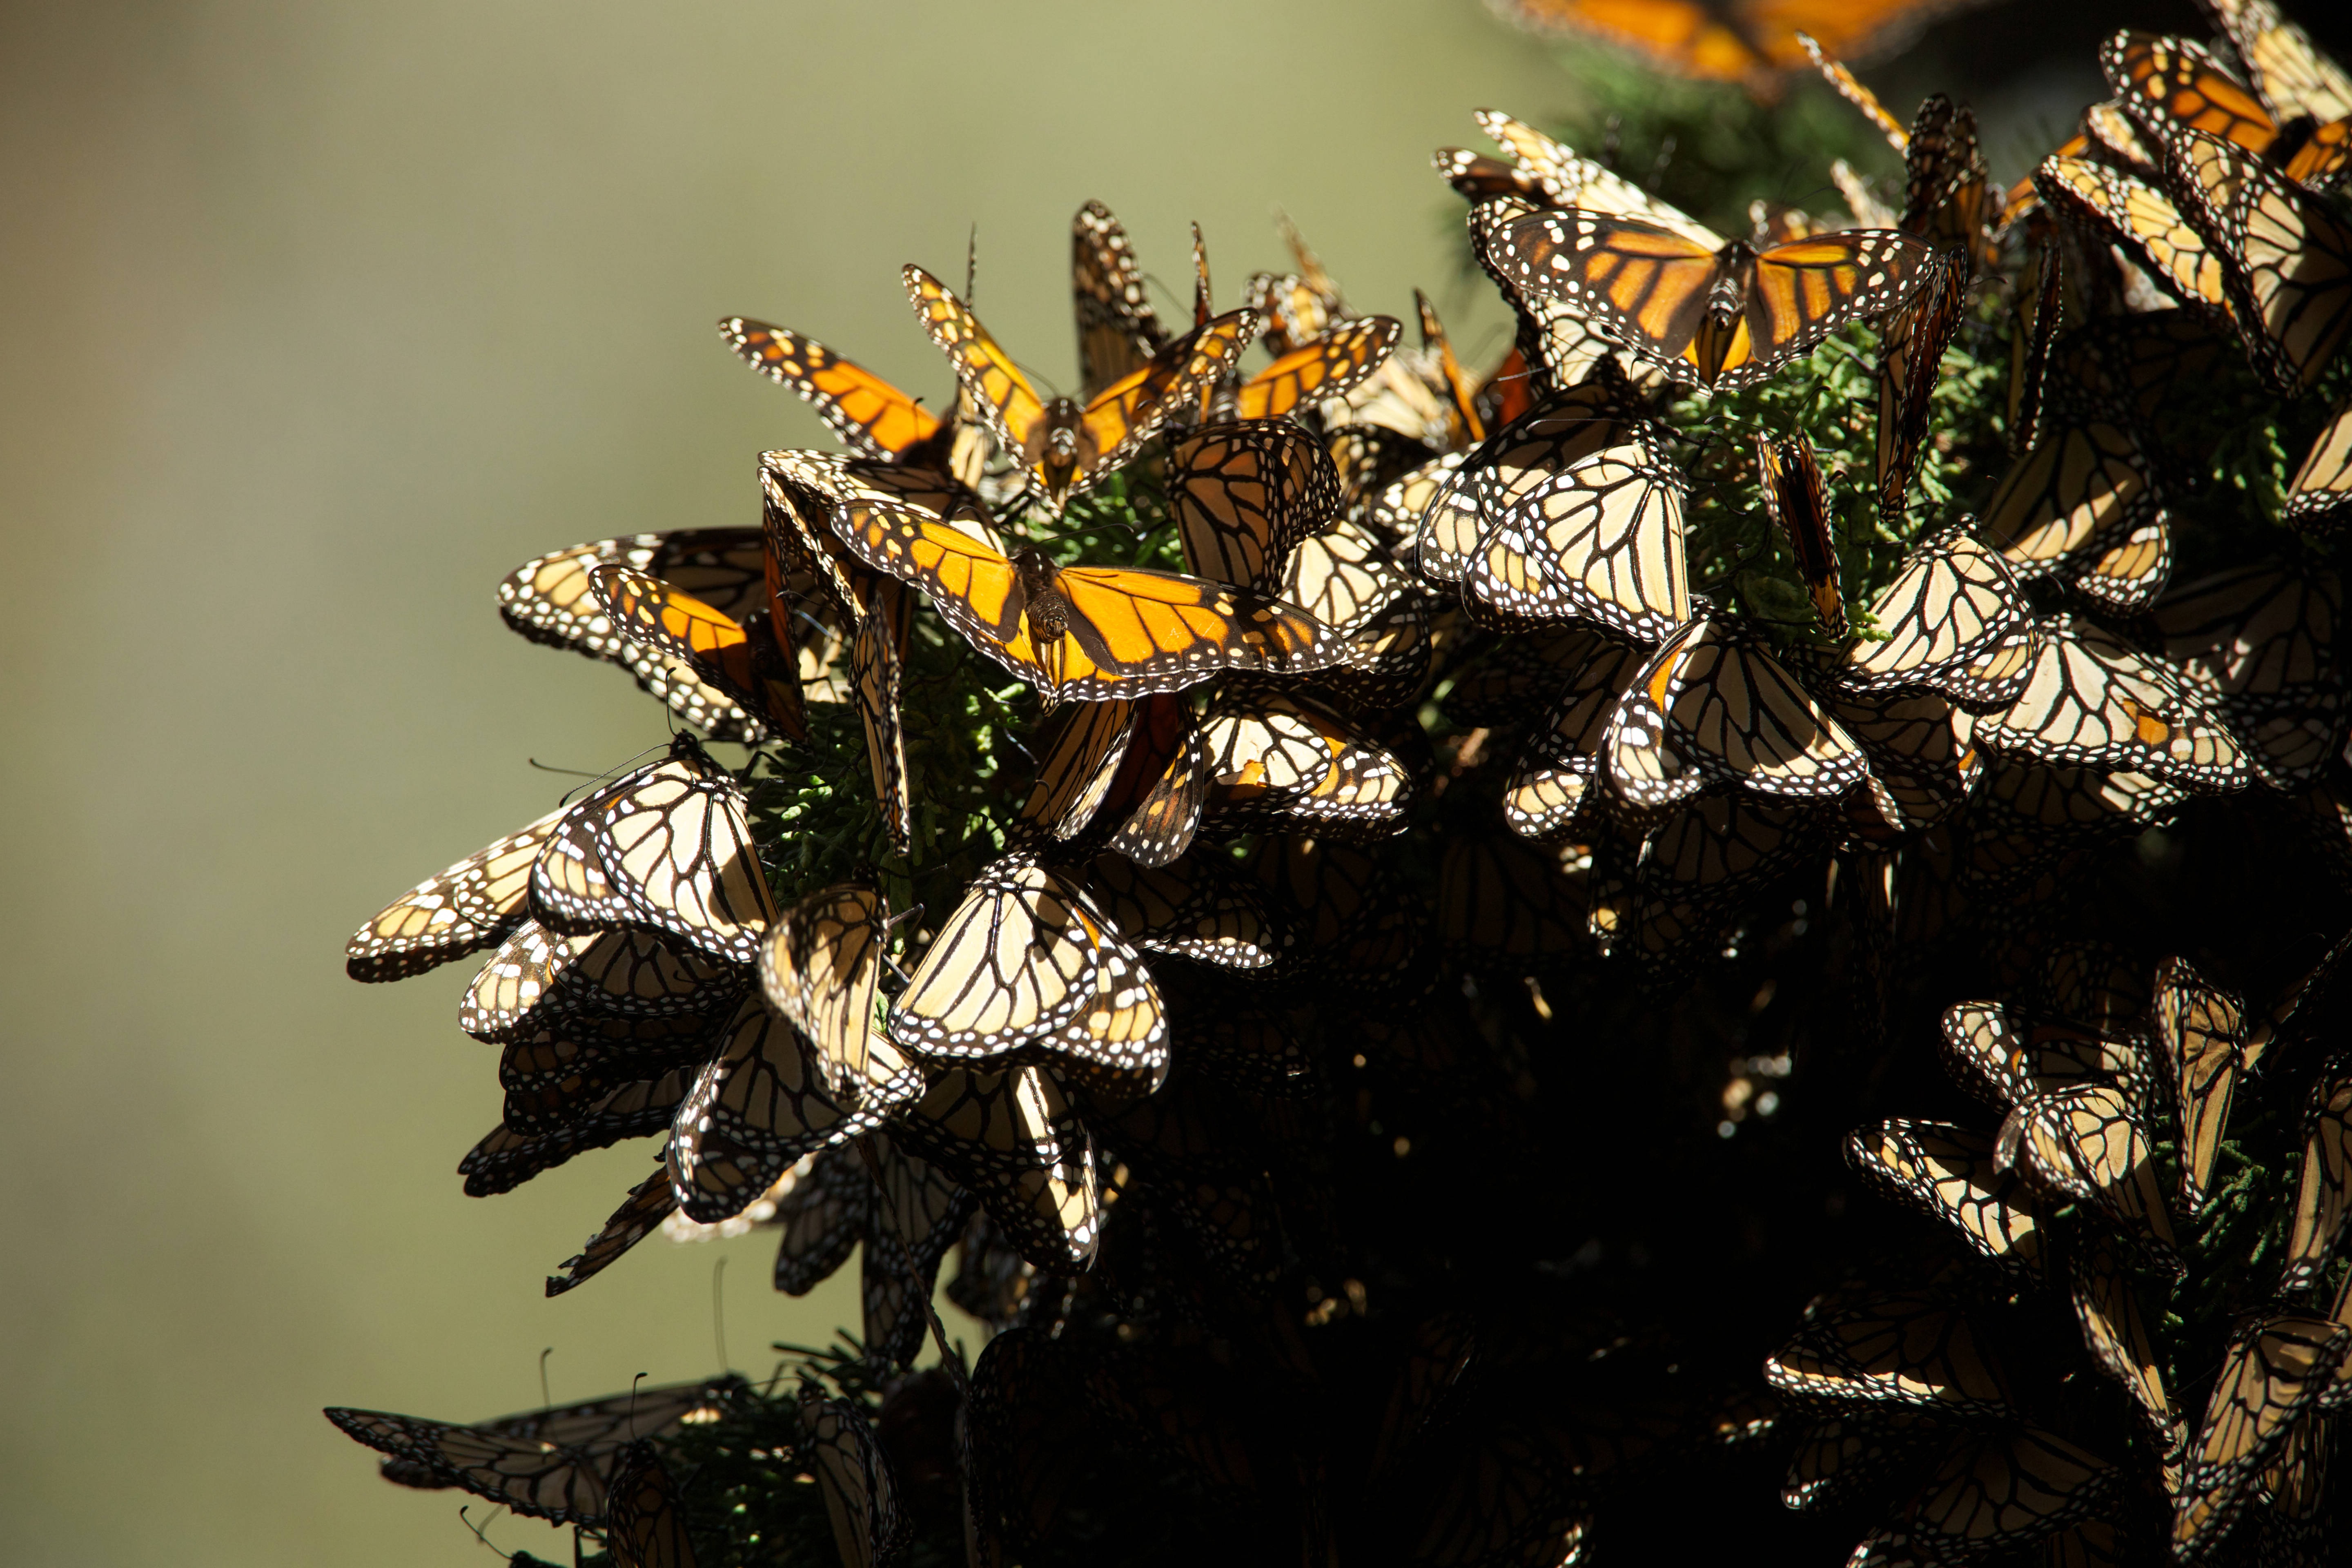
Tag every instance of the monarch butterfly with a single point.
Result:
(818, 969)
(587, 1072)
(2173, 83)
(2085, 1143)
(874, 418)
(551, 1464)
(2277, 1366)
(1947, 186)
(2093, 701)
(1190, 908)
(870, 1527)
(2005, 1061)
(1244, 495)
(667, 848)
(875, 674)
(1842, 1454)
(1910, 365)
(540, 979)
(1747, 40)
(1083, 633)
(476, 903)
(2322, 1199)
(644, 1526)
(2085, 485)
(2258, 640)
(824, 1215)
(2293, 76)
(1010, 1137)
(1061, 446)
(1950, 1172)
(1498, 894)
(744, 662)
(991, 1280)
(1957, 624)
(1345, 579)
(2142, 216)
(1712, 706)
(641, 1214)
(2287, 260)
(1702, 308)
(1913, 1348)
(1694, 869)
(2108, 1307)
(2200, 1034)
(917, 1212)
(1467, 429)
(1118, 333)
(1579, 516)
(2321, 493)
(1335, 365)
(1847, 87)
(1551, 791)
(507, 1155)
(2033, 328)
(1556, 341)
(1923, 764)
(549, 600)
(1797, 503)
(1135, 764)
(1996, 1491)
(1275, 761)
(757, 1107)
(1027, 962)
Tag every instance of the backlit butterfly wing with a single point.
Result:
(2288, 258)
(1114, 426)
(875, 674)
(1993, 1493)
(1190, 908)
(541, 980)
(2322, 1200)
(1952, 604)
(1118, 333)
(823, 1218)
(1242, 495)
(1723, 318)
(1323, 368)
(1167, 779)
(1010, 1138)
(1557, 343)
(2294, 78)
(1571, 181)
(744, 663)
(918, 1214)
(667, 848)
(2085, 1143)
(1077, 765)
(2006, 1061)
(566, 1485)
(1552, 790)
(1923, 764)
(2322, 492)
(1013, 410)
(1087, 633)
(1949, 1173)
(1712, 706)
(2142, 216)
(1582, 519)
(644, 1525)
(853, 1472)
(2092, 699)
(1275, 759)
(2034, 326)
(476, 903)
(2107, 1307)
(548, 599)
(509, 1156)
(1848, 88)
(818, 968)
(2200, 1034)
(875, 418)
(756, 1110)
(1797, 503)
(1910, 1349)
(2277, 1365)
(640, 1214)
(1947, 187)
(1910, 365)
(596, 1427)
(2086, 485)
(2167, 83)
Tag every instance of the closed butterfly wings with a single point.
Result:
(1712, 706)
(669, 848)
(476, 903)
(2092, 699)
(1954, 623)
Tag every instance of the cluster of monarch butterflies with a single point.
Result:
(1288, 985)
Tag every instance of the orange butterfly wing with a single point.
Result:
(1328, 367)
(707, 639)
(1012, 407)
(1130, 409)
(862, 409)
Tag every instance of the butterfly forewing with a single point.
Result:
(476, 903)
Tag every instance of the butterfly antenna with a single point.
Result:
(481, 1532)
(971, 266)
(718, 1311)
(552, 768)
(633, 1404)
(546, 1400)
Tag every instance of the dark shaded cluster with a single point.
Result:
(1741, 911)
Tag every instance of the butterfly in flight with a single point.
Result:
(1061, 446)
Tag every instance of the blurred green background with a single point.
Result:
(318, 320)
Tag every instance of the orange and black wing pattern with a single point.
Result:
(1325, 367)
(873, 417)
(744, 662)
(1087, 633)
(1669, 300)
